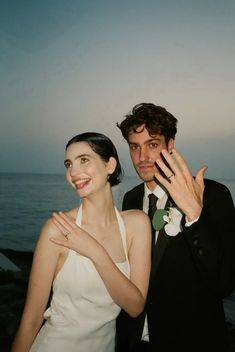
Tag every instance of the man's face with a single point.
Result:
(144, 150)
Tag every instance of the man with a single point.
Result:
(193, 250)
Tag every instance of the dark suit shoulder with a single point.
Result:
(213, 183)
(135, 190)
(216, 190)
(133, 199)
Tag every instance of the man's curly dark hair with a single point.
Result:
(156, 119)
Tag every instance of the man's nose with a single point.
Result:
(143, 155)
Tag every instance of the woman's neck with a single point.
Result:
(99, 209)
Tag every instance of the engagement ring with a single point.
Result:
(168, 177)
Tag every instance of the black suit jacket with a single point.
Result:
(197, 269)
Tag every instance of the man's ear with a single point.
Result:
(111, 165)
(170, 145)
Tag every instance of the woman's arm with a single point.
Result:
(42, 273)
(129, 294)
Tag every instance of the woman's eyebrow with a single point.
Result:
(77, 157)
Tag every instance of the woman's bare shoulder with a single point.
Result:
(134, 214)
(72, 213)
(135, 219)
(136, 223)
(49, 227)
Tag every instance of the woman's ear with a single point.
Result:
(111, 165)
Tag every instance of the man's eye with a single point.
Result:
(133, 147)
(153, 145)
(84, 160)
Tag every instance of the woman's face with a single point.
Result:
(85, 170)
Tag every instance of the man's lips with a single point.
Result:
(145, 167)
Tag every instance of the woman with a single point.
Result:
(95, 259)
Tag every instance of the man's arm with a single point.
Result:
(211, 239)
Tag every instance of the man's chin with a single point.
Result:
(146, 177)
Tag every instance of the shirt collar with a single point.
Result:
(158, 191)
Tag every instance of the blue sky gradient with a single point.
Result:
(71, 66)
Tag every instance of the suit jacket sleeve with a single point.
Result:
(211, 239)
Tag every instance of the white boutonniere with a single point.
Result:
(169, 218)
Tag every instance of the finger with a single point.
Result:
(172, 163)
(163, 166)
(68, 220)
(162, 179)
(182, 165)
(163, 169)
(63, 230)
(57, 223)
(62, 222)
(199, 177)
(59, 242)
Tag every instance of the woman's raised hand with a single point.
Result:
(75, 237)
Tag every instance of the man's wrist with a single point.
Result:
(189, 223)
(193, 214)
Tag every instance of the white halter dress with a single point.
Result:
(82, 314)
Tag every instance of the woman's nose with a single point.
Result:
(73, 170)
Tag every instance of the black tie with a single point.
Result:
(151, 211)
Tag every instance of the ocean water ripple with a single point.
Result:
(28, 200)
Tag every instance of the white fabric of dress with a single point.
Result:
(82, 314)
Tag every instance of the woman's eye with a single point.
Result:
(67, 165)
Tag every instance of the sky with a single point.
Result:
(70, 66)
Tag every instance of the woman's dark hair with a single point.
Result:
(156, 119)
(105, 148)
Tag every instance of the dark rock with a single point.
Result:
(13, 289)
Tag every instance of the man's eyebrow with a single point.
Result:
(146, 142)
(153, 139)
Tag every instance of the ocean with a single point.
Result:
(27, 200)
